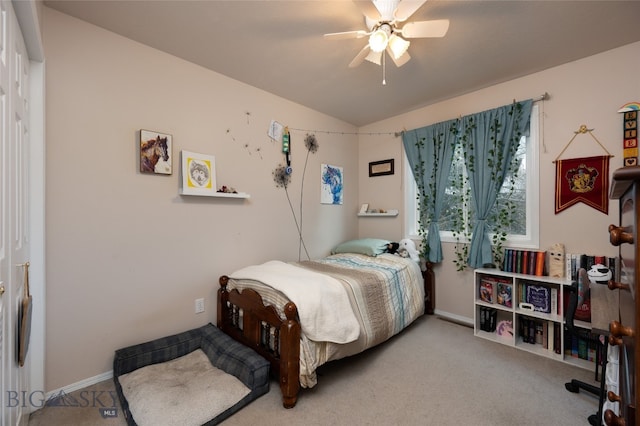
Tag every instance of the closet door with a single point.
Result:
(14, 208)
(5, 239)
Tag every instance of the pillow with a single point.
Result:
(367, 246)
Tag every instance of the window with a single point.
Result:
(524, 231)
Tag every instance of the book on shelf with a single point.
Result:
(505, 294)
(540, 263)
(530, 262)
(554, 301)
(591, 351)
(540, 297)
(531, 332)
(533, 257)
(488, 317)
(539, 332)
(575, 261)
(574, 346)
(612, 263)
(486, 289)
(556, 338)
(583, 348)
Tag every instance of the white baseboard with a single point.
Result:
(454, 318)
(81, 384)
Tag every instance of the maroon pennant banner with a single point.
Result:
(583, 180)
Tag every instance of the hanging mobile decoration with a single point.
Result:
(630, 129)
(286, 148)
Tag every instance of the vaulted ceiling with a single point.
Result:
(278, 46)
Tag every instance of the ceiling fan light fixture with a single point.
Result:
(398, 46)
(374, 57)
(382, 19)
(379, 39)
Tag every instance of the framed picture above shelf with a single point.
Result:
(381, 168)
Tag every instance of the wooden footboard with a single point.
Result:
(243, 316)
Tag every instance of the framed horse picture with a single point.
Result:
(155, 152)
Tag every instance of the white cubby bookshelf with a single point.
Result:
(557, 288)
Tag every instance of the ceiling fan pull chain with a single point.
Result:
(384, 70)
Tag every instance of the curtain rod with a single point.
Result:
(542, 97)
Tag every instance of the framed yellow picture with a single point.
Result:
(198, 174)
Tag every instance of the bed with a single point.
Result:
(365, 298)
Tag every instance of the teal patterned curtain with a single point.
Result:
(430, 152)
(489, 140)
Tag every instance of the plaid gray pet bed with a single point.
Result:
(223, 352)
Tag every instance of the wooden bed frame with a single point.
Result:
(244, 316)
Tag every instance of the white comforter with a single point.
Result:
(330, 321)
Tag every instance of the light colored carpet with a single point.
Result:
(433, 373)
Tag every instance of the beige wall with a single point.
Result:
(126, 255)
(588, 91)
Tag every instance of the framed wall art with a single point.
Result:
(198, 174)
(155, 152)
(331, 189)
(381, 168)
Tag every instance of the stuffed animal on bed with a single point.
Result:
(392, 248)
(407, 248)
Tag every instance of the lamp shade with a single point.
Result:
(398, 46)
(379, 39)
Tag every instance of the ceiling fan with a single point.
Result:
(384, 19)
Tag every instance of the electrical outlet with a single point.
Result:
(199, 306)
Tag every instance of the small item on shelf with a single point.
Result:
(505, 328)
(556, 260)
(526, 306)
(227, 190)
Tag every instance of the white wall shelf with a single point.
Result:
(219, 194)
(389, 213)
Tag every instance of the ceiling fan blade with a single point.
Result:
(346, 34)
(403, 59)
(360, 57)
(406, 8)
(375, 57)
(436, 28)
(368, 9)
